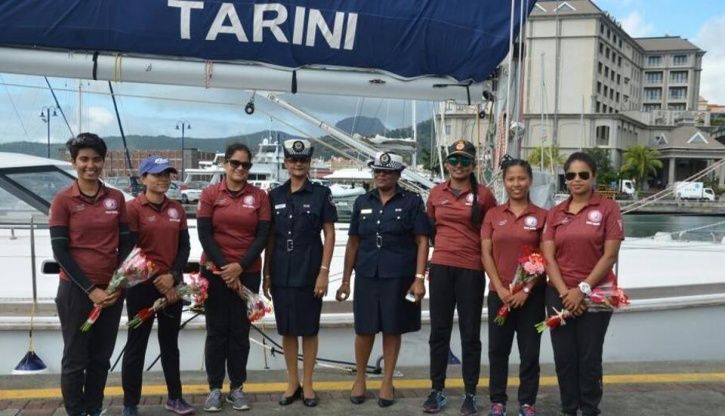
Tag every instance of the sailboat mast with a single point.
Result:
(80, 106)
(541, 110)
(415, 136)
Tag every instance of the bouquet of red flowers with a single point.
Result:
(257, 306)
(196, 289)
(134, 270)
(606, 298)
(554, 321)
(531, 266)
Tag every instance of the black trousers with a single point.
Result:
(86, 355)
(462, 289)
(578, 358)
(141, 297)
(227, 331)
(520, 321)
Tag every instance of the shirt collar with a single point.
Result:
(144, 201)
(307, 187)
(528, 210)
(76, 190)
(447, 187)
(595, 199)
(376, 194)
(245, 189)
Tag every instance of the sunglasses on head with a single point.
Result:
(459, 160)
(300, 159)
(582, 175)
(236, 164)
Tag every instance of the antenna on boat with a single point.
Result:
(31, 363)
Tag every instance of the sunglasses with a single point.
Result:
(296, 159)
(458, 160)
(236, 164)
(382, 172)
(582, 175)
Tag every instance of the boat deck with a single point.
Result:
(658, 388)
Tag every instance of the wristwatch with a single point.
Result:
(585, 288)
(420, 276)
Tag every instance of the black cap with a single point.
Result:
(463, 148)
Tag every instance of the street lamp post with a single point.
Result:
(45, 116)
(182, 125)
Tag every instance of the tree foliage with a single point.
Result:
(640, 163)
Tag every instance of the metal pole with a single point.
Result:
(183, 131)
(48, 117)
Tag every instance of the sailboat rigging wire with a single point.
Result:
(57, 104)
(12, 102)
(120, 127)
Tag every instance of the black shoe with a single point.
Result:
(287, 400)
(358, 399)
(386, 402)
(310, 402)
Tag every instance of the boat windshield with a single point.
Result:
(29, 191)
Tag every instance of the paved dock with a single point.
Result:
(662, 388)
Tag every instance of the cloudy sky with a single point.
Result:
(219, 113)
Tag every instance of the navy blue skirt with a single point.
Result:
(379, 305)
(296, 311)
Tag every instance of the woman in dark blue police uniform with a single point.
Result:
(388, 248)
(297, 265)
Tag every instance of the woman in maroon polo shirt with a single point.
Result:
(89, 235)
(580, 243)
(158, 225)
(233, 220)
(508, 230)
(457, 208)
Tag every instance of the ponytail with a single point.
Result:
(476, 216)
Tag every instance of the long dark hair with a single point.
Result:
(581, 157)
(476, 214)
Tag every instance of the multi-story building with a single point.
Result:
(588, 83)
(116, 160)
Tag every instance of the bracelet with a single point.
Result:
(420, 276)
(324, 268)
(344, 283)
(268, 277)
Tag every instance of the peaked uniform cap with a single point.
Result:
(387, 161)
(298, 148)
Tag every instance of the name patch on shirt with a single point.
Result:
(366, 211)
(280, 206)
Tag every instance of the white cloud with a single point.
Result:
(710, 38)
(97, 119)
(635, 25)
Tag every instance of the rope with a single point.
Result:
(689, 230)
(208, 72)
(117, 68)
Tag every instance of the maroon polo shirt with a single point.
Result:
(509, 235)
(457, 242)
(579, 238)
(158, 229)
(93, 229)
(234, 219)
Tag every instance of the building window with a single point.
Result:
(607, 53)
(654, 60)
(676, 107)
(620, 43)
(619, 79)
(606, 91)
(679, 60)
(616, 97)
(609, 33)
(651, 107)
(698, 138)
(602, 133)
(604, 108)
(599, 106)
(601, 47)
(599, 67)
(660, 140)
(611, 94)
(599, 87)
(601, 27)
(606, 72)
(679, 77)
(653, 77)
(653, 94)
(612, 75)
(678, 93)
(448, 129)
(619, 61)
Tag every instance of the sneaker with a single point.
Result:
(179, 406)
(435, 402)
(129, 411)
(469, 408)
(497, 409)
(527, 410)
(237, 399)
(213, 401)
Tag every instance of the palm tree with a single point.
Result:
(640, 163)
(551, 153)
